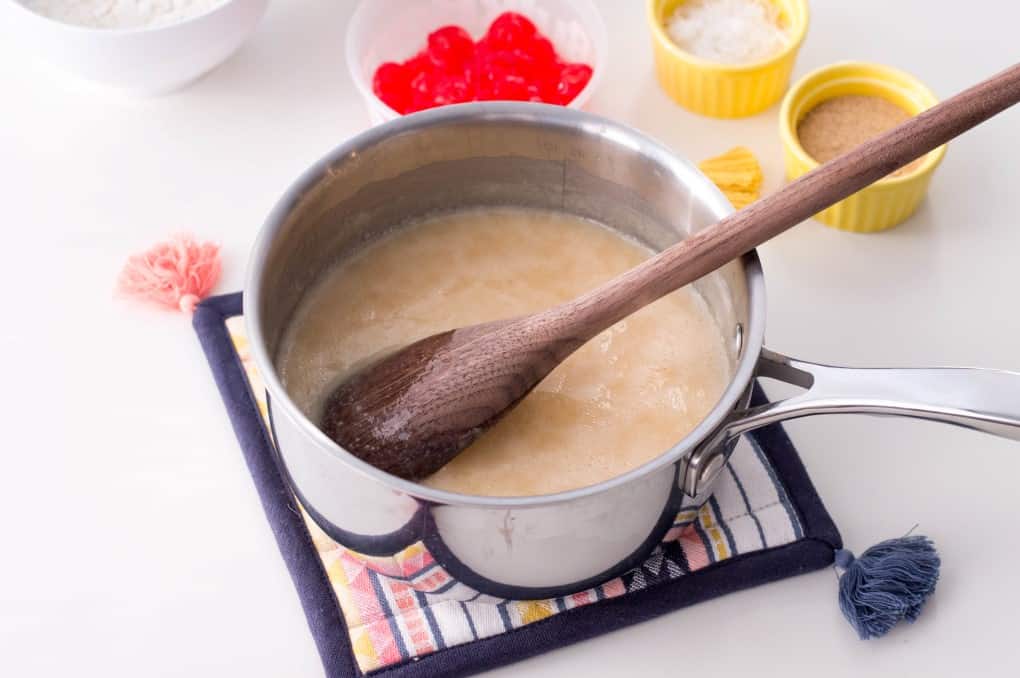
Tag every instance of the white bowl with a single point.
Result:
(396, 30)
(141, 61)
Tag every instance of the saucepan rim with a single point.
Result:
(542, 115)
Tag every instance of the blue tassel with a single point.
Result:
(889, 582)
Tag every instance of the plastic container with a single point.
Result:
(137, 61)
(396, 30)
(890, 200)
(724, 90)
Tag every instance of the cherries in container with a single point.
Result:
(550, 53)
(513, 61)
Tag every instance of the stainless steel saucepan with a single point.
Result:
(548, 157)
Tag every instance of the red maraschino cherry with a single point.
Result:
(512, 62)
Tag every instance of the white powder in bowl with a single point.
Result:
(728, 31)
(121, 13)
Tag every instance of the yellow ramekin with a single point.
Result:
(890, 200)
(724, 90)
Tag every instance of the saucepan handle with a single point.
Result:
(980, 399)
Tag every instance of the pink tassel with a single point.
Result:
(175, 274)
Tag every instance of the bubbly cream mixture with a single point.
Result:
(618, 402)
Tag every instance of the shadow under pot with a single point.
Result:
(533, 155)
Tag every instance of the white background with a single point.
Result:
(131, 538)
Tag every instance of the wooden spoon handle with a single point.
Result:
(820, 188)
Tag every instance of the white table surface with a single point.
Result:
(133, 542)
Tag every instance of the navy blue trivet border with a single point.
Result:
(325, 619)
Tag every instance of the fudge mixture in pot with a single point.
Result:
(620, 401)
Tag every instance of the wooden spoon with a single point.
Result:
(416, 409)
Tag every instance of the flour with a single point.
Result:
(121, 13)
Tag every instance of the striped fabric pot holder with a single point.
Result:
(403, 615)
